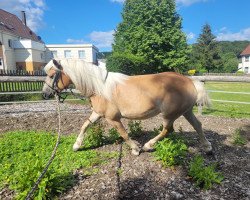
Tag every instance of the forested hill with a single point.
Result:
(235, 47)
(228, 52)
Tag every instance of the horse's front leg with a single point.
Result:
(121, 130)
(93, 118)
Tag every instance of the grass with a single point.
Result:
(225, 108)
(239, 139)
(23, 156)
(228, 86)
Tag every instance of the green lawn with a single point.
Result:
(228, 86)
(225, 108)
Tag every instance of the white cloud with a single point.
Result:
(190, 36)
(188, 2)
(119, 1)
(34, 10)
(102, 39)
(225, 35)
(76, 41)
(180, 2)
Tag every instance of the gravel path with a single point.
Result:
(141, 177)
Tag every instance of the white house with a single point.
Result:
(87, 52)
(20, 47)
(244, 60)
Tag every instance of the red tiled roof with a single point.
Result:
(12, 24)
(246, 51)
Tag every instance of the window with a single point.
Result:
(67, 54)
(240, 60)
(54, 54)
(247, 59)
(246, 70)
(42, 56)
(1, 63)
(81, 54)
(10, 43)
(95, 61)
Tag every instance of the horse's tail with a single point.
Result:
(202, 95)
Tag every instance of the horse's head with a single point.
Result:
(56, 79)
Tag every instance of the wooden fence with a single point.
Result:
(14, 86)
(21, 73)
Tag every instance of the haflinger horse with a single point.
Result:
(116, 95)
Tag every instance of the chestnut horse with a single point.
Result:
(115, 96)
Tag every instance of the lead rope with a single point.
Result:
(33, 189)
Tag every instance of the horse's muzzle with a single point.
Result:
(46, 96)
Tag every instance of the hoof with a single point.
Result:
(208, 148)
(76, 147)
(147, 147)
(136, 152)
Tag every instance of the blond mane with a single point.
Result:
(91, 79)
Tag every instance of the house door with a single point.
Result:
(1, 63)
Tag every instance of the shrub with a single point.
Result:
(113, 136)
(240, 73)
(238, 139)
(191, 72)
(170, 151)
(204, 176)
(135, 128)
(126, 63)
(94, 136)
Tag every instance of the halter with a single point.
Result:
(54, 86)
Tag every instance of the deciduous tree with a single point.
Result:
(151, 30)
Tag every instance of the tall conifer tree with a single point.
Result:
(207, 50)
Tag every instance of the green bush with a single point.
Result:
(94, 136)
(240, 73)
(170, 151)
(204, 176)
(113, 136)
(127, 64)
(135, 128)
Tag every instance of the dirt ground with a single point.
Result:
(141, 177)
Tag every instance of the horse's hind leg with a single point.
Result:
(190, 117)
(167, 128)
(121, 130)
(93, 118)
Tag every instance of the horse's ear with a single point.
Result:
(57, 64)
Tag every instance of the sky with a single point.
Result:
(94, 21)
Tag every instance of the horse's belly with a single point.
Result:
(139, 111)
